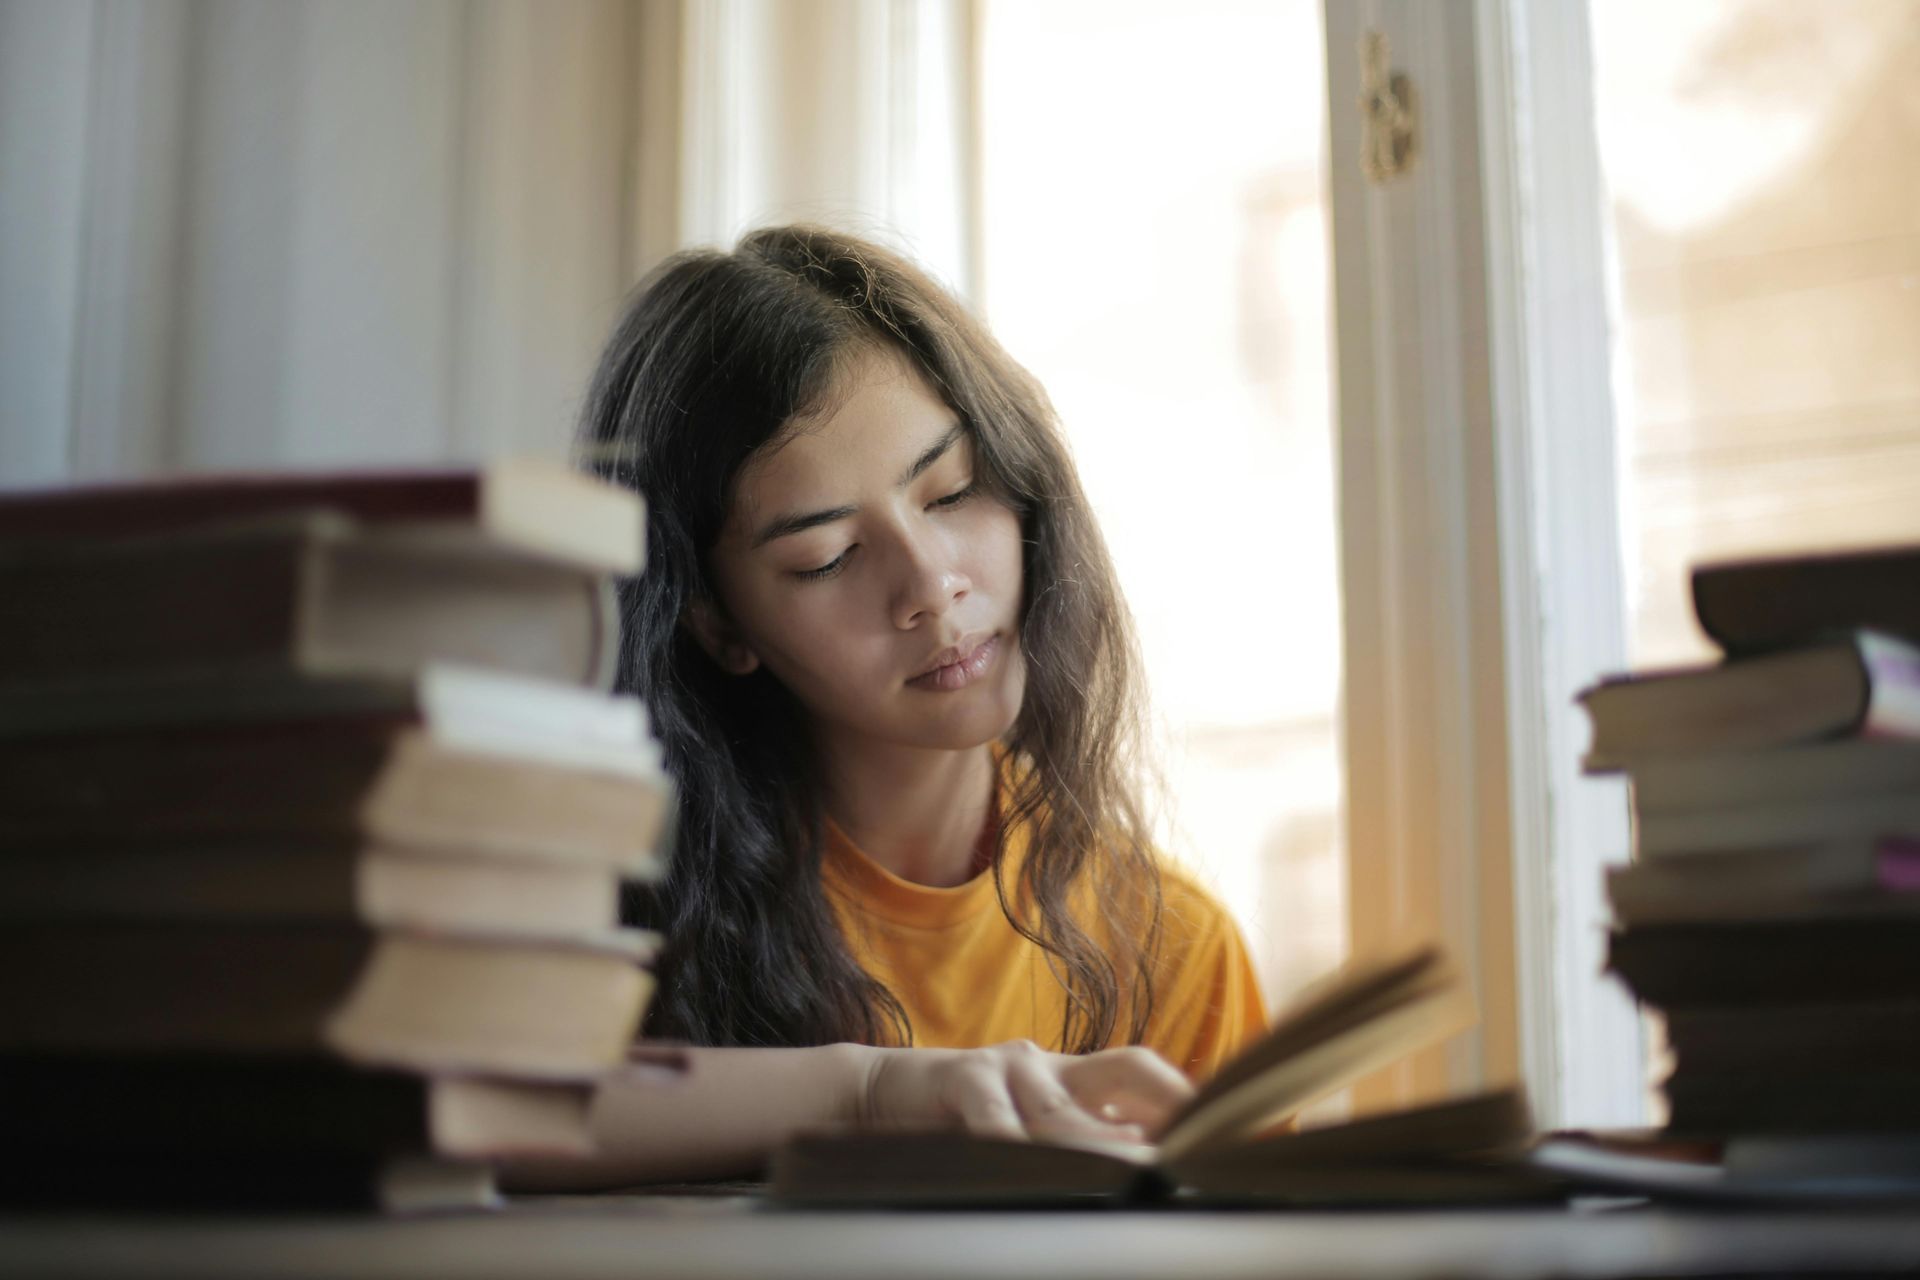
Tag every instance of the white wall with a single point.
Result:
(360, 232)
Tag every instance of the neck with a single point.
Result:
(918, 813)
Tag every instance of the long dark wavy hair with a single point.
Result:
(715, 356)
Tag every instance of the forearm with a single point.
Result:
(735, 1106)
(723, 1119)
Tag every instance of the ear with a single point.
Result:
(716, 634)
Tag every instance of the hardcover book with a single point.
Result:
(1773, 602)
(312, 593)
(427, 778)
(566, 1008)
(1863, 877)
(1771, 962)
(1860, 685)
(540, 507)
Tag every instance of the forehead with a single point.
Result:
(877, 418)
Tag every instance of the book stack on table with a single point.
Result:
(315, 812)
(1772, 912)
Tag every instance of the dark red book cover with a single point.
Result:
(1749, 606)
(167, 504)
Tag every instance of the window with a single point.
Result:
(1766, 213)
(1762, 220)
(1153, 248)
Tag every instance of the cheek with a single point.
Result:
(815, 642)
(1000, 550)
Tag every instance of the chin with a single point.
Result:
(969, 737)
(981, 720)
(959, 726)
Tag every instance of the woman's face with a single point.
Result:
(863, 568)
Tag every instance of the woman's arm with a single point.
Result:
(734, 1106)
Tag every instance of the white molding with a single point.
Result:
(1537, 915)
(1479, 538)
(1429, 839)
(1548, 288)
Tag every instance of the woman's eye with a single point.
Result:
(957, 497)
(826, 570)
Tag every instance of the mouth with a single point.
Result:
(959, 666)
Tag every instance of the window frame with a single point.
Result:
(1481, 558)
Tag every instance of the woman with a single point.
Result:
(884, 650)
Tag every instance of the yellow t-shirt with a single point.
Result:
(967, 978)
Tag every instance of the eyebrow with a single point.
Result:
(784, 526)
(934, 453)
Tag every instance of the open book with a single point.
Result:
(1221, 1145)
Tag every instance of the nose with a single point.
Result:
(930, 581)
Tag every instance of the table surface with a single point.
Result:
(563, 1237)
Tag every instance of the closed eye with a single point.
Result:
(947, 503)
(828, 569)
(957, 497)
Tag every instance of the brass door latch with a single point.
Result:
(1389, 140)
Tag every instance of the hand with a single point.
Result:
(1018, 1090)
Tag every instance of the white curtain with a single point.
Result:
(365, 233)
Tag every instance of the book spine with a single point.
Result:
(1847, 767)
(311, 595)
(1795, 1039)
(603, 664)
(1706, 831)
(1698, 966)
(1842, 1101)
(1846, 879)
(123, 610)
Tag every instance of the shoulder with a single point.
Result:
(1206, 998)
(1190, 912)
(1199, 944)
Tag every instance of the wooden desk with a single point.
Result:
(627, 1237)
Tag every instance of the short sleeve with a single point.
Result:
(1207, 1005)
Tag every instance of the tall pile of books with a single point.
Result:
(315, 809)
(1772, 912)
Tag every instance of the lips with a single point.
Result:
(958, 666)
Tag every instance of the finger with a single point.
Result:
(1050, 1112)
(1131, 1084)
(982, 1100)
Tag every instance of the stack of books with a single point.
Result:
(315, 812)
(1772, 912)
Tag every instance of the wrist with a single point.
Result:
(857, 1070)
